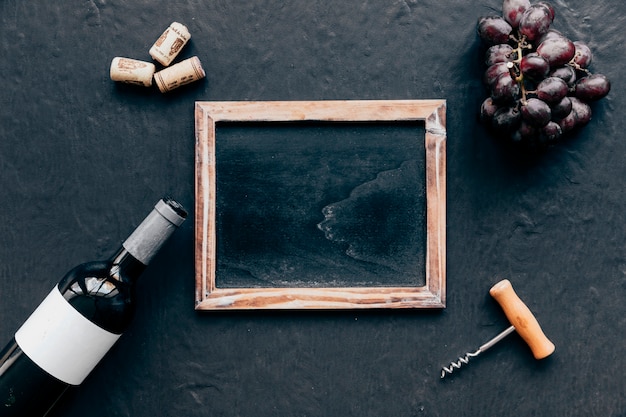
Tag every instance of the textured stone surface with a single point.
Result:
(82, 160)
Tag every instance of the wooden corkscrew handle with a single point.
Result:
(522, 319)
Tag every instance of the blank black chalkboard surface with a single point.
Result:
(83, 159)
(354, 195)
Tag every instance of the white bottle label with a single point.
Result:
(61, 341)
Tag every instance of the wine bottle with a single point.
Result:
(79, 321)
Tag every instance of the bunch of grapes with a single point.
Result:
(539, 81)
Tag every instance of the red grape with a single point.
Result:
(534, 66)
(505, 89)
(536, 112)
(583, 56)
(492, 73)
(581, 110)
(557, 51)
(535, 22)
(506, 120)
(551, 131)
(512, 11)
(551, 33)
(566, 73)
(562, 108)
(494, 30)
(499, 53)
(568, 123)
(552, 90)
(487, 110)
(592, 87)
(548, 8)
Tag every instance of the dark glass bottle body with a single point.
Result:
(100, 292)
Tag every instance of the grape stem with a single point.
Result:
(577, 66)
(514, 66)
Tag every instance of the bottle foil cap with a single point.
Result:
(171, 210)
(155, 229)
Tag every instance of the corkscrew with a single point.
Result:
(523, 321)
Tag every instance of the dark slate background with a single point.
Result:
(82, 160)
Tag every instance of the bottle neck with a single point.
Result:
(125, 267)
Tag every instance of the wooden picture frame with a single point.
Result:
(210, 296)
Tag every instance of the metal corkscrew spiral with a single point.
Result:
(523, 321)
(464, 360)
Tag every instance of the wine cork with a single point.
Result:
(170, 43)
(132, 71)
(177, 75)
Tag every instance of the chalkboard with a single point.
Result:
(320, 204)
